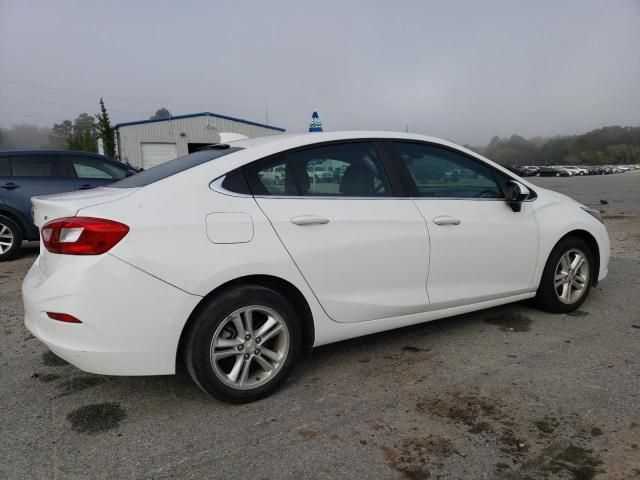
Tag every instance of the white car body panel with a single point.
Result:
(186, 240)
(50, 207)
(476, 259)
(558, 215)
(126, 329)
(383, 241)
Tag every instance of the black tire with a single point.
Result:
(211, 315)
(547, 297)
(16, 238)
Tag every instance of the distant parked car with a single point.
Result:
(26, 174)
(553, 172)
(577, 170)
(524, 170)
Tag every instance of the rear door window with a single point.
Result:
(38, 166)
(348, 170)
(337, 170)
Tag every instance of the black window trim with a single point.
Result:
(411, 187)
(395, 184)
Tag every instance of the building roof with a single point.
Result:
(201, 114)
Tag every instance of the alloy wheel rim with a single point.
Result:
(571, 276)
(6, 238)
(249, 347)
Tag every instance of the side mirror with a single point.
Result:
(515, 194)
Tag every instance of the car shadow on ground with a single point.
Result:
(28, 249)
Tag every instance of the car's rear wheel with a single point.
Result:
(567, 276)
(10, 238)
(243, 344)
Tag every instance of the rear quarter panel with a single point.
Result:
(169, 239)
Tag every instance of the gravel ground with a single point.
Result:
(509, 392)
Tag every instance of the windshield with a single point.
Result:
(172, 167)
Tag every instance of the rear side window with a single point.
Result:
(177, 165)
(5, 171)
(95, 168)
(337, 170)
(42, 166)
(236, 183)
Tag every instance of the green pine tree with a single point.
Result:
(83, 142)
(106, 131)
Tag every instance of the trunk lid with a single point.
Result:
(50, 207)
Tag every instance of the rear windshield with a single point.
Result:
(172, 167)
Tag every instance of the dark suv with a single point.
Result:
(26, 174)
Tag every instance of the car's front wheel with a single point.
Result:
(567, 276)
(10, 238)
(243, 344)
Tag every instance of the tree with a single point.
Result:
(84, 123)
(106, 132)
(83, 141)
(161, 113)
(63, 131)
(607, 145)
(26, 136)
(79, 135)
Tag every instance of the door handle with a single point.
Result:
(444, 220)
(85, 187)
(303, 220)
(9, 186)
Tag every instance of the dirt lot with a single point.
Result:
(509, 393)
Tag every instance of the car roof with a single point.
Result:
(297, 139)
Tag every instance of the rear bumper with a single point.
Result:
(131, 321)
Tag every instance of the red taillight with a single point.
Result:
(82, 235)
(63, 317)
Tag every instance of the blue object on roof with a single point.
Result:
(201, 114)
(315, 125)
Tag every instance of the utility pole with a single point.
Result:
(266, 111)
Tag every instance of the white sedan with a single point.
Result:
(214, 261)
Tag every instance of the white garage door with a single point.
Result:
(156, 153)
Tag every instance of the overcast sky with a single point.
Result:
(462, 70)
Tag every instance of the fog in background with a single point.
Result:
(462, 70)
